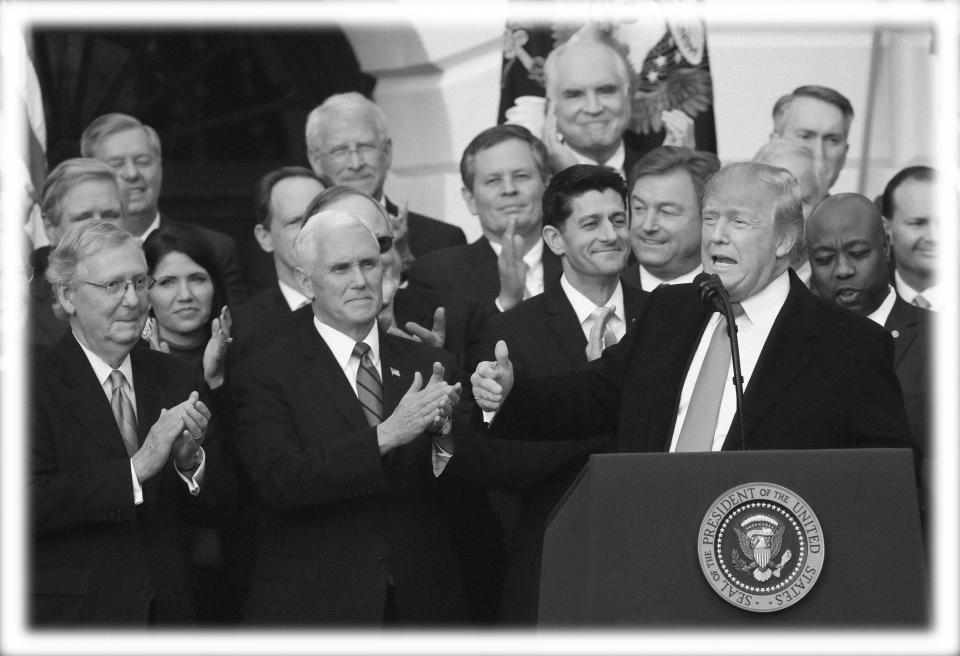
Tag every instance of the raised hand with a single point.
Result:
(561, 155)
(190, 416)
(679, 128)
(492, 381)
(513, 270)
(214, 355)
(196, 417)
(600, 337)
(420, 407)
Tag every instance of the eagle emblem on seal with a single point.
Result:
(760, 538)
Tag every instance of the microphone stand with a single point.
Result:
(735, 355)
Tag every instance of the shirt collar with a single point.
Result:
(881, 313)
(341, 345)
(908, 293)
(530, 258)
(153, 226)
(583, 307)
(102, 369)
(293, 297)
(650, 282)
(763, 307)
(615, 162)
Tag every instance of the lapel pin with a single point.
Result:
(394, 372)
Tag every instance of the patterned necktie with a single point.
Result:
(123, 413)
(700, 422)
(921, 302)
(369, 387)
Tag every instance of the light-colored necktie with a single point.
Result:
(123, 413)
(369, 387)
(921, 302)
(700, 422)
(609, 336)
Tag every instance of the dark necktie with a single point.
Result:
(369, 387)
(700, 422)
(123, 413)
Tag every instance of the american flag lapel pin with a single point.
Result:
(394, 372)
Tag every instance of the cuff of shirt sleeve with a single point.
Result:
(194, 477)
(137, 490)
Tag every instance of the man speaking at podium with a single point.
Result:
(814, 375)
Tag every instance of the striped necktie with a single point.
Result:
(123, 413)
(369, 387)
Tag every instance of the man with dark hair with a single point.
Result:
(282, 196)
(666, 188)
(115, 449)
(347, 140)
(132, 149)
(818, 117)
(911, 221)
(667, 385)
(587, 309)
(849, 259)
(504, 171)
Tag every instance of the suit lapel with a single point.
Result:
(480, 257)
(902, 324)
(786, 352)
(149, 384)
(562, 322)
(324, 369)
(85, 397)
(398, 371)
(552, 266)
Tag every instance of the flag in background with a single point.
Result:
(35, 159)
(668, 59)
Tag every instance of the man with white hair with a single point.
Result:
(347, 141)
(350, 529)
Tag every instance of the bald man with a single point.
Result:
(849, 259)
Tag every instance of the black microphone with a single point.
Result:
(709, 286)
(715, 298)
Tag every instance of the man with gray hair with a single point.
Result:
(109, 539)
(76, 190)
(132, 149)
(347, 141)
(684, 399)
(818, 117)
(351, 531)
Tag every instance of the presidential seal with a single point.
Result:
(761, 547)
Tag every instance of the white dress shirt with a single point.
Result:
(753, 328)
(102, 371)
(150, 228)
(881, 313)
(932, 294)
(616, 161)
(650, 282)
(294, 297)
(584, 308)
(533, 258)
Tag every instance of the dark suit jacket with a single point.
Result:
(98, 559)
(471, 270)
(339, 521)
(426, 234)
(910, 327)
(259, 321)
(544, 338)
(44, 327)
(226, 251)
(825, 379)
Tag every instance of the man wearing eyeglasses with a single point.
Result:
(347, 141)
(115, 448)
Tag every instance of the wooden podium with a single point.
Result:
(621, 549)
